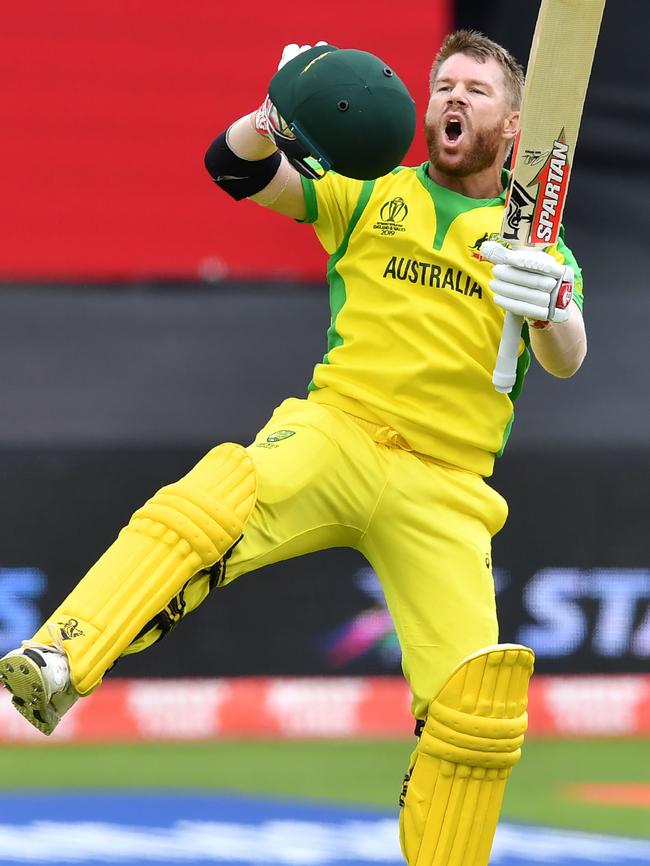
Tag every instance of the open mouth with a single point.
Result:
(453, 131)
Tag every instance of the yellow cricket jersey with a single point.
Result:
(414, 330)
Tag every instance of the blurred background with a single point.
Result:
(144, 317)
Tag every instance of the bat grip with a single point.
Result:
(505, 371)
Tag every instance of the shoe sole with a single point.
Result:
(23, 678)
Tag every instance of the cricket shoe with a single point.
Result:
(38, 677)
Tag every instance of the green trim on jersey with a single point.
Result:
(311, 202)
(449, 205)
(337, 290)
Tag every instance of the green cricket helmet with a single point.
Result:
(347, 109)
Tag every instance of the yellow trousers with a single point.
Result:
(326, 479)
(323, 478)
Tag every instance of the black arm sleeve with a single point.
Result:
(240, 178)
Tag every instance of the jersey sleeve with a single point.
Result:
(563, 254)
(331, 202)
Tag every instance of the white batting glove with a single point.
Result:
(268, 121)
(530, 283)
(293, 50)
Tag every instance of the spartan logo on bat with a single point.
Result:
(552, 181)
(542, 210)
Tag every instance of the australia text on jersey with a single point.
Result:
(428, 274)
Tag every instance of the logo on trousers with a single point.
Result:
(279, 435)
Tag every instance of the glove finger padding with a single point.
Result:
(536, 261)
(521, 293)
(293, 50)
(529, 279)
(530, 283)
(527, 259)
(521, 308)
(289, 52)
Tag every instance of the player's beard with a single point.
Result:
(482, 153)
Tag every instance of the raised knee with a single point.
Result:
(206, 511)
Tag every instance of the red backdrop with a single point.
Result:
(107, 110)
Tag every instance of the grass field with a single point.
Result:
(359, 772)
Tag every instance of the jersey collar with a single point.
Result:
(433, 187)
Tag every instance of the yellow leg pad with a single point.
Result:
(191, 596)
(471, 739)
(186, 527)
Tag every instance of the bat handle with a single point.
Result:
(505, 371)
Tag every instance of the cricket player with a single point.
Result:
(389, 451)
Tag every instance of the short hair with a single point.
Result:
(478, 46)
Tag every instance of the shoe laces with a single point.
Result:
(55, 634)
(56, 673)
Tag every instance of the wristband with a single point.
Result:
(240, 178)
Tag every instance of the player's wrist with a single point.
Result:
(246, 142)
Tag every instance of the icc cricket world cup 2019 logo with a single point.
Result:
(391, 216)
(394, 210)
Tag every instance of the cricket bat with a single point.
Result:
(557, 76)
